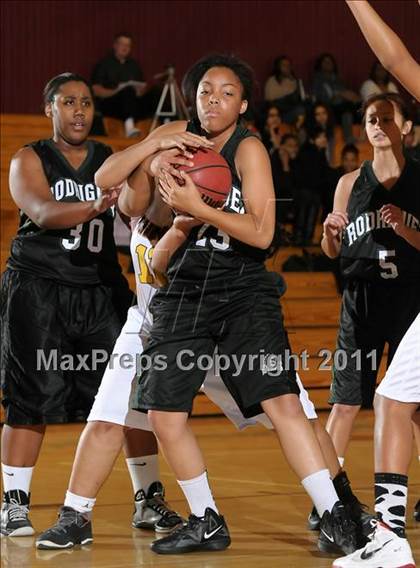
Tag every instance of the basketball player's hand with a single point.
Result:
(183, 141)
(168, 160)
(392, 215)
(185, 198)
(185, 223)
(107, 198)
(334, 224)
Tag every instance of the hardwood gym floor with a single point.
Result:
(265, 506)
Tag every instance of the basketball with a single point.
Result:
(211, 174)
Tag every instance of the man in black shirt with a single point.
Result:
(118, 84)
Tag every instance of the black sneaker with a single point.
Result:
(152, 512)
(14, 514)
(416, 513)
(208, 533)
(314, 520)
(364, 521)
(71, 528)
(337, 531)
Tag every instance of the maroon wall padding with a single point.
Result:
(41, 38)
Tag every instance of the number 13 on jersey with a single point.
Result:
(144, 255)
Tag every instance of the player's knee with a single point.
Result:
(288, 406)
(167, 426)
(106, 433)
(387, 407)
(346, 411)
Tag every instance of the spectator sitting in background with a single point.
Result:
(412, 145)
(348, 163)
(320, 116)
(273, 129)
(312, 172)
(379, 82)
(328, 88)
(119, 87)
(286, 92)
(283, 163)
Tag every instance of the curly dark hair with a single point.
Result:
(241, 69)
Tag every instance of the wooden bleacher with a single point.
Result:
(311, 304)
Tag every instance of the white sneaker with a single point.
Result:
(385, 550)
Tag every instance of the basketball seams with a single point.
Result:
(198, 168)
(211, 190)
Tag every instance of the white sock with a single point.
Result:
(198, 494)
(129, 125)
(16, 478)
(341, 461)
(321, 490)
(143, 471)
(79, 503)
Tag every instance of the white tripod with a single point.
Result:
(178, 108)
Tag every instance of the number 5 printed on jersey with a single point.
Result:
(389, 269)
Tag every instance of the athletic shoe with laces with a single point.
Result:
(152, 512)
(71, 528)
(365, 522)
(416, 513)
(14, 514)
(385, 549)
(209, 533)
(314, 520)
(337, 531)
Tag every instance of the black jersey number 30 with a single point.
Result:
(95, 236)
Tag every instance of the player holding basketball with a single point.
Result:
(63, 294)
(103, 437)
(216, 269)
(398, 396)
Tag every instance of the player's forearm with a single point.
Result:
(118, 167)
(134, 202)
(412, 236)
(331, 246)
(246, 228)
(165, 249)
(385, 43)
(54, 215)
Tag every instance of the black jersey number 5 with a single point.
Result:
(219, 241)
(95, 236)
(388, 269)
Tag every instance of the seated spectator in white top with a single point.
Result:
(379, 82)
(286, 91)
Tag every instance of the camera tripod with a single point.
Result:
(178, 108)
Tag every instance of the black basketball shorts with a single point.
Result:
(55, 343)
(245, 326)
(372, 315)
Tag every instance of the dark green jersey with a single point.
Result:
(210, 254)
(80, 255)
(371, 250)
